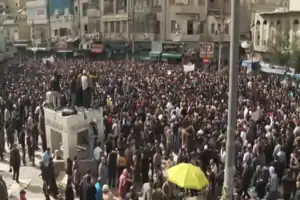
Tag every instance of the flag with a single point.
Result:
(50, 59)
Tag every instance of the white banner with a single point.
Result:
(188, 68)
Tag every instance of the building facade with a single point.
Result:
(14, 21)
(37, 19)
(283, 22)
(174, 20)
(61, 19)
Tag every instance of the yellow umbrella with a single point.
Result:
(187, 176)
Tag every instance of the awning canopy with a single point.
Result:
(171, 55)
(72, 39)
(154, 54)
(35, 49)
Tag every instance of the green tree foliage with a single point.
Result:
(283, 52)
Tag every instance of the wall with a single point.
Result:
(180, 13)
(69, 126)
(37, 12)
(294, 5)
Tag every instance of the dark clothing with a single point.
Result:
(69, 193)
(91, 192)
(15, 163)
(289, 184)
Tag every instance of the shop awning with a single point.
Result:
(171, 55)
(64, 50)
(154, 54)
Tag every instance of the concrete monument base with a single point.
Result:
(63, 130)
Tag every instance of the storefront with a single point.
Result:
(21, 46)
(142, 50)
(40, 51)
(172, 52)
(118, 50)
(67, 48)
(98, 50)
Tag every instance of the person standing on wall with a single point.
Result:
(55, 89)
(15, 162)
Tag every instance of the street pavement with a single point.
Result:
(29, 179)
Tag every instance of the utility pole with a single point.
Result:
(221, 34)
(79, 17)
(227, 193)
(49, 23)
(165, 21)
(132, 13)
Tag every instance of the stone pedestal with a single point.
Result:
(63, 130)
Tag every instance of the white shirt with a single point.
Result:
(84, 82)
(115, 129)
(223, 155)
(97, 153)
(7, 115)
(246, 157)
(30, 122)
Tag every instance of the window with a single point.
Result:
(190, 27)
(121, 6)
(201, 2)
(112, 27)
(105, 27)
(201, 27)
(191, 2)
(85, 28)
(219, 28)
(172, 2)
(124, 26)
(84, 9)
(76, 9)
(55, 32)
(212, 28)
(63, 32)
(118, 26)
(155, 3)
(257, 41)
(108, 7)
(226, 29)
(173, 26)
(157, 27)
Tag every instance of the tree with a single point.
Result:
(283, 52)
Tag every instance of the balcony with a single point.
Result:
(93, 12)
(9, 20)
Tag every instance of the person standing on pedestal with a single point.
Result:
(86, 90)
(55, 89)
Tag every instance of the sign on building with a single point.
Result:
(206, 49)
(37, 12)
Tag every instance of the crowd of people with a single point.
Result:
(153, 113)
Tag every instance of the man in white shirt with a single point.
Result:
(116, 128)
(85, 90)
(98, 153)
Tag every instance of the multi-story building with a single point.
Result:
(14, 21)
(37, 19)
(62, 19)
(268, 25)
(184, 20)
